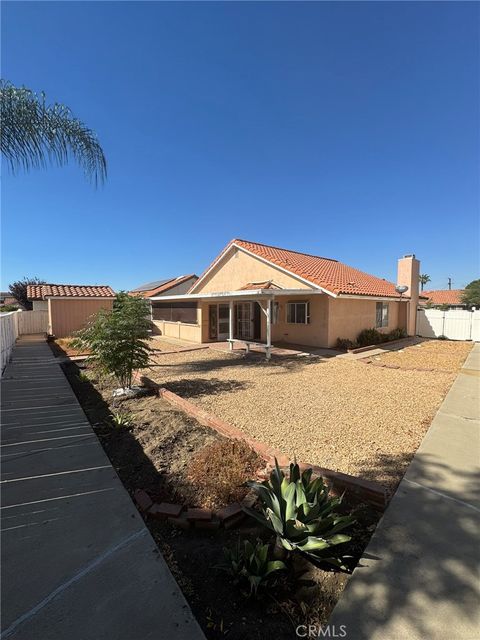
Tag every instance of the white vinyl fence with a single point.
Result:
(32, 322)
(8, 335)
(454, 324)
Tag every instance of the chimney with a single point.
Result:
(407, 275)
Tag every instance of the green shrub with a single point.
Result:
(302, 514)
(345, 344)
(250, 564)
(397, 334)
(369, 336)
(82, 377)
(118, 339)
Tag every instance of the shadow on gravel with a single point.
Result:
(197, 387)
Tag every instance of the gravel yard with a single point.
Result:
(345, 415)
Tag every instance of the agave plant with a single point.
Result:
(251, 563)
(301, 512)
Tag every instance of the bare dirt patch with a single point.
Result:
(344, 415)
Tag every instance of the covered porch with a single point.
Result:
(252, 318)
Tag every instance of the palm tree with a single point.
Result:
(423, 280)
(34, 133)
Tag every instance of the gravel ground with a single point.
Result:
(344, 415)
(435, 354)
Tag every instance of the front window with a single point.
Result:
(298, 312)
(382, 315)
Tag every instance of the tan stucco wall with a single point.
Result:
(330, 318)
(238, 268)
(180, 330)
(347, 317)
(40, 305)
(313, 334)
(67, 316)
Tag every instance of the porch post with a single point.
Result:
(269, 328)
(230, 324)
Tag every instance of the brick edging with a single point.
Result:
(371, 492)
(378, 345)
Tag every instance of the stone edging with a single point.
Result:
(378, 346)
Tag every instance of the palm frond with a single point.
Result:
(34, 134)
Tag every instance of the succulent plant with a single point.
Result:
(301, 512)
(251, 563)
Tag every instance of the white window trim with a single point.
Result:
(307, 311)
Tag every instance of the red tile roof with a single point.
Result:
(42, 291)
(331, 275)
(165, 286)
(444, 296)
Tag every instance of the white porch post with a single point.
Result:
(230, 325)
(269, 328)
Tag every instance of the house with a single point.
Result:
(6, 298)
(257, 292)
(69, 306)
(451, 298)
(172, 286)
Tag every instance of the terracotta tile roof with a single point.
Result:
(164, 286)
(444, 296)
(333, 276)
(42, 291)
(267, 284)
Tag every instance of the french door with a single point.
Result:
(218, 321)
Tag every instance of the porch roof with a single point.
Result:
(266, 294)
(240, 294)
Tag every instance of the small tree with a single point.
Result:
(423, 278)
(18, 290)
(471, 294)
(118, 339)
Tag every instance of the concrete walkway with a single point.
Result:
(418, 578)
(77, 560)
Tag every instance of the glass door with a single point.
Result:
(223, 322)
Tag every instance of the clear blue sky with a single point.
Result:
(349, 130)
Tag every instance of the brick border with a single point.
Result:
(378, 346)
(370, 492)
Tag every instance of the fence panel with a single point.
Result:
(8, 336)
(32, 322)
(476, 326)
(454, 324)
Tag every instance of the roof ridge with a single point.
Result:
(272, 246)
(57, 284)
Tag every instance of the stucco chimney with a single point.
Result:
(407, 275)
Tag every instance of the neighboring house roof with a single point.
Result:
(326, 273)
(43, 291)
(444, 296)
(160, 286)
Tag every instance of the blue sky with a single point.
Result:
(348, 130)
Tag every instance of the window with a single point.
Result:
(175, 311)
(382, 315)
(298, 312)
